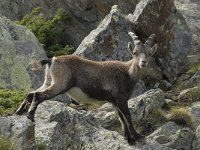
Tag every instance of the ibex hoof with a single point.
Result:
(131, 141)
(31, 117)
(19, 112)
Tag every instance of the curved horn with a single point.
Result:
(135, 38)
(150, 40)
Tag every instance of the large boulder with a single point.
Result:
(172, 136)
(139, 107)
(19, 130)
(61, 127)
(18, 46)
(172, 33)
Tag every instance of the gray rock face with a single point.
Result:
(195, 110)
(61, 127)
(172, 33)
(172, 136)
(138, 106)
(20, 130)
(196, 142)
(109, 40)
(17, 47)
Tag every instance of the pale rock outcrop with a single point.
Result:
(18, 46)
(172, 136)
(19, 130)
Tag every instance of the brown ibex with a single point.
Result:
(91, 81)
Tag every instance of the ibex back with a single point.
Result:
(93, 81)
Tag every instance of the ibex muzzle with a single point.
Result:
(112, 81)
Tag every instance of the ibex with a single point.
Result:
(94, 81)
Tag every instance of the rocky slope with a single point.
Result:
(60, 127)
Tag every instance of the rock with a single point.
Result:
(19, 130)
(139, 108)
(190, 10)
(18, 46)
(172, 33)
(169, 101)
(196, 142)
(190, 95)
(109, 40)
(195, 78)
(172, 136)
(61, 127)
(195, 110)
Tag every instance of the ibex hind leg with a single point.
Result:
(27, 101)
(22, 108)
(43, 95)
(24, 105)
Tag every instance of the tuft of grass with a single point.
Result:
(10, 100)
(194, 69)
(182, 116)
(49, 32)
(6, 144)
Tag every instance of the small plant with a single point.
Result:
(182, 116)
(10, 100)
(49, 32)
(194, 69)
(40, 144)
(6, 144)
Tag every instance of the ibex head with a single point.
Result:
(141, 52)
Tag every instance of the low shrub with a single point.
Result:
(49, 32)
(10, 100)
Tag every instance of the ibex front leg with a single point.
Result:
(129, 132)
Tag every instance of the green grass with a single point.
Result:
(49, 32)
(6, 144)
(194, 69)
(10, 100)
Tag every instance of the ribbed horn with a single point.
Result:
(149, 42)
(135, 38)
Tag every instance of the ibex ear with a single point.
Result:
(130, 47)
(153, 49)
